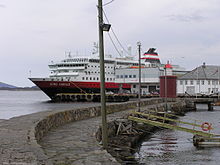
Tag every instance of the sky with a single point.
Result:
(35, 32)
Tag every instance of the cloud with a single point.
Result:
(2, 6)
(186, 18)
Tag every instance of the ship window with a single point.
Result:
(203, 82)
(121, 76)
(117, 76)
(130, 76)
(186, 82)
(181, 82)
(86, 78)
(213, 82)
(107, 79)
(93, 78)
(83, 78)
(97, 78)
(90, 78)
(191, 82)
(134, 76)
(126, 76)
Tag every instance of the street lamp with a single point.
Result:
(106, 27)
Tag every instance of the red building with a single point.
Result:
(168, 86)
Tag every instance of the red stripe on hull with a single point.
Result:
(70, 84)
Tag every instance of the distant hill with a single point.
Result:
(4, 85)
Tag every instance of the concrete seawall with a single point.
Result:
(20, 135)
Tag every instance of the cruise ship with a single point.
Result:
(77, 74)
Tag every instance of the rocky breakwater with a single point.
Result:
(124, 136)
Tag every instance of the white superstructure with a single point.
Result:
(88, 68)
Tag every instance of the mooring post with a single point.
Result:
(194, 106)
(210, 107)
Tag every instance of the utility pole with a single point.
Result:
(139, 59)
(102, 76)
(166, 107)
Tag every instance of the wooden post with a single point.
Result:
(210, 107)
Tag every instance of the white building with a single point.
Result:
(204, 79)
(149, 79)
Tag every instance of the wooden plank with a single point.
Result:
(169, 126)
(167, 119)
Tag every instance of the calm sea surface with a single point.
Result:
(166, 147)
(17, 103)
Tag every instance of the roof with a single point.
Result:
(203, 72)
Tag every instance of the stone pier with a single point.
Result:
(61, 136)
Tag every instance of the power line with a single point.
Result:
(108, 3)
(115, 34)
(114, 45)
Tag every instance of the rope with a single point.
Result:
(78, 87)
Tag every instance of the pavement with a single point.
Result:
(75, 143)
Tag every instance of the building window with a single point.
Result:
(186, 82)
(181, 82)
(191, 82)
(197, 82)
